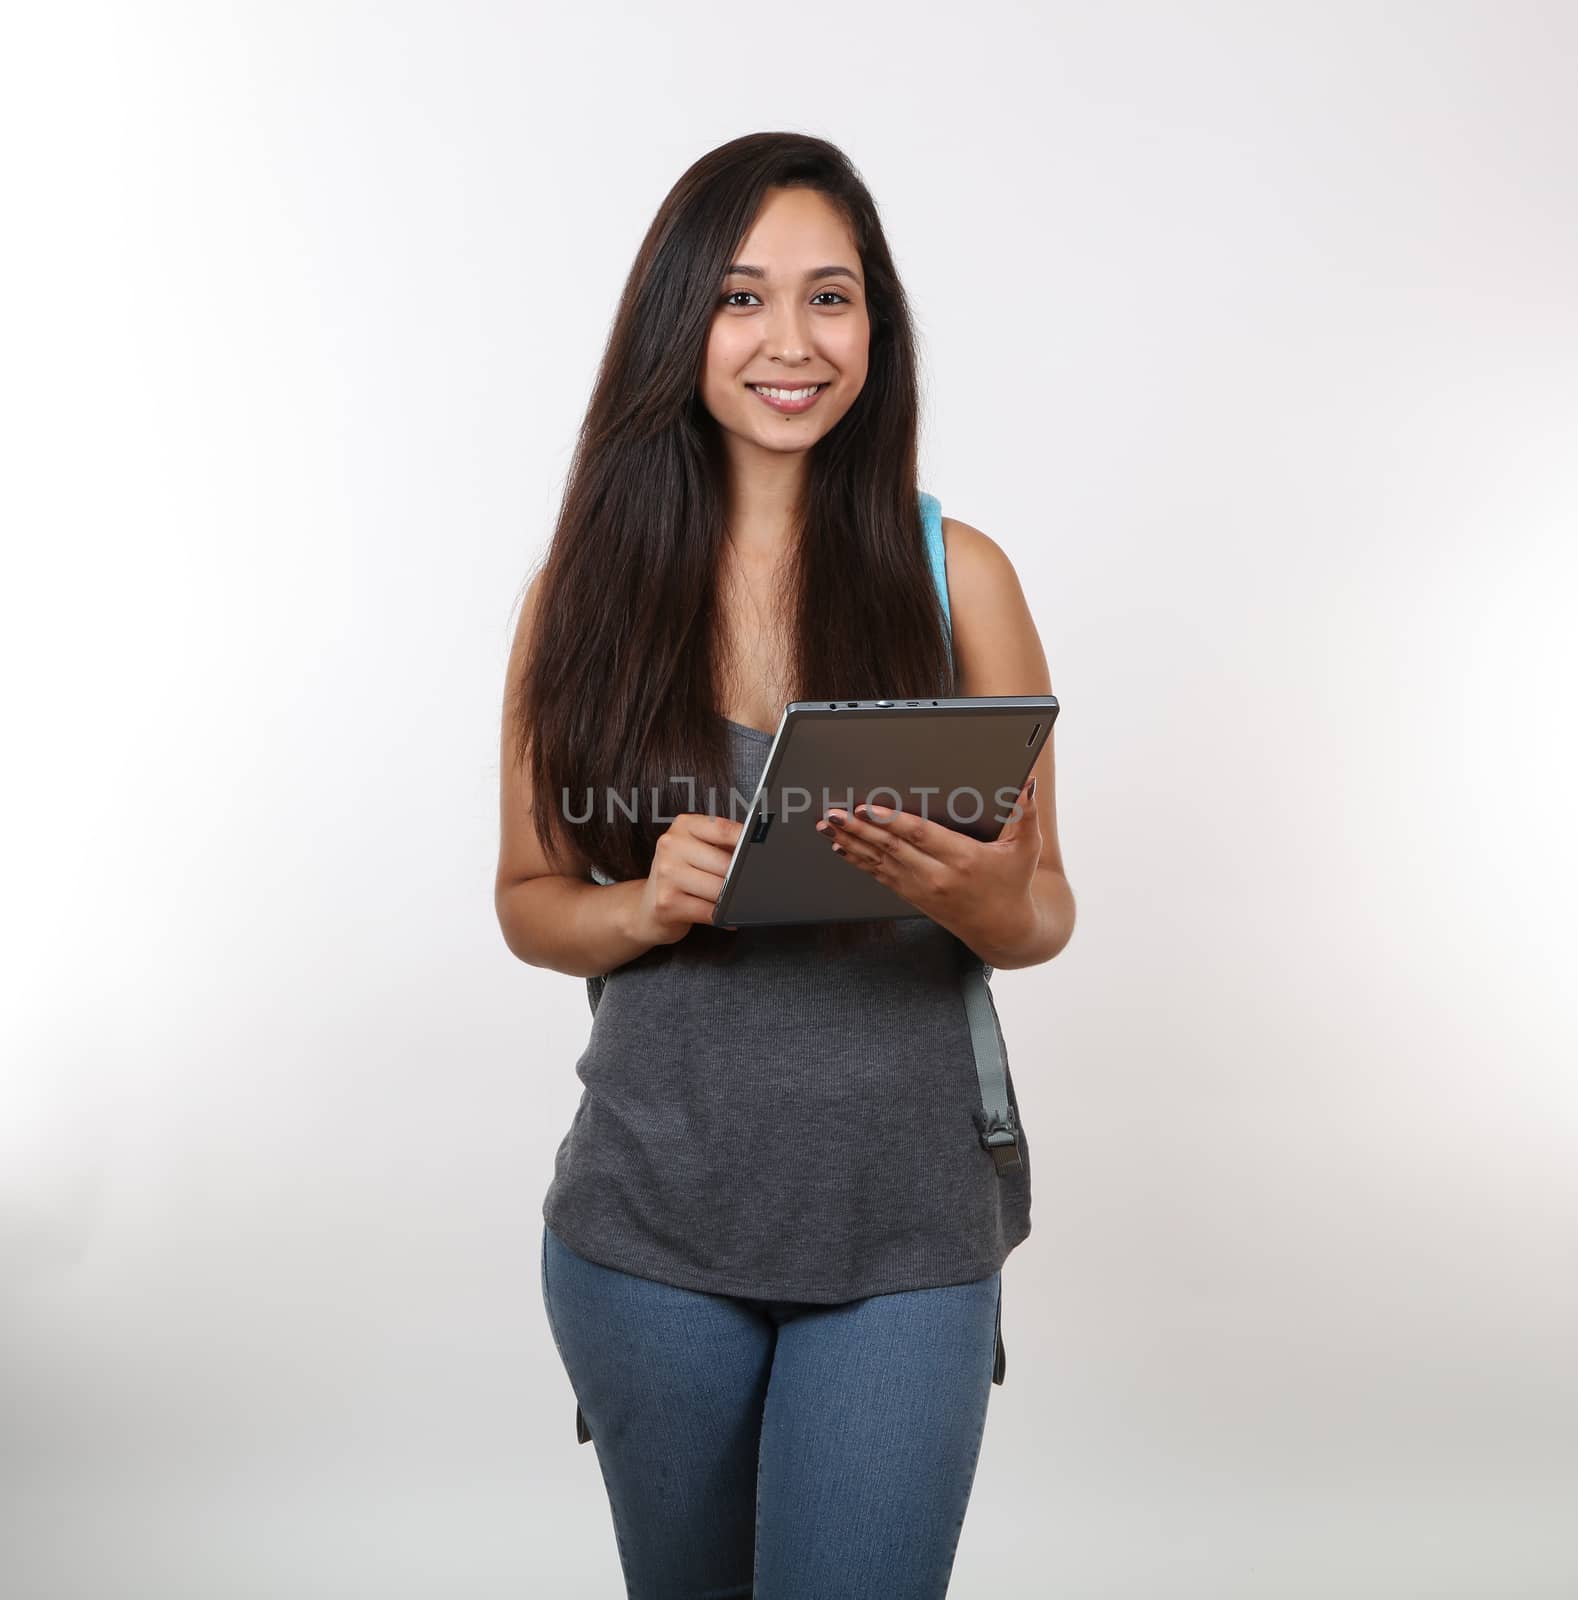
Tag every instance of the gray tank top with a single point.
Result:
(786, 1127)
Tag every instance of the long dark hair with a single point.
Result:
(618, 691)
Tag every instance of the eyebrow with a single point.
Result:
(740, 270)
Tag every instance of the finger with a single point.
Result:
(680, 906)
(881, 849)
(722, 833)
(694, 882)
(695, 850)
(842, 837)
(911, 843)
(720, 830)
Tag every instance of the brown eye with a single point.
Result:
(733, 292)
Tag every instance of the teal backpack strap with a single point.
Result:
(931, 521)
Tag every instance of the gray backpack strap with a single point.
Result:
(995, 1120)
(1000, 1358)
(594, 993)
(594, 986)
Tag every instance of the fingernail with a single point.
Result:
(1032, 793)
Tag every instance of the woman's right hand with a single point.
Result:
(689, 863)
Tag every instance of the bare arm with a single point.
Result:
(569, 925)
(999, 652)
(551, 912)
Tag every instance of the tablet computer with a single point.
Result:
(960, 762)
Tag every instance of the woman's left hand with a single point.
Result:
(979, 891)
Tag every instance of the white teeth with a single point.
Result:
(788, 394)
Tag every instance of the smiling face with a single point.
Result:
(791, 315)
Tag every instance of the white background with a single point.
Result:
(1251, 334)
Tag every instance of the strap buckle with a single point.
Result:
(1000, 1139)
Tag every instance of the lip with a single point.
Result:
(790, 408)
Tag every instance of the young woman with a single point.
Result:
(772, 1245)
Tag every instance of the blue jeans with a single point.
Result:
(775, 1448)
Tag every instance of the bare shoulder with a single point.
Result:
(994, 634)
(971, 552)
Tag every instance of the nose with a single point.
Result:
(786, 337)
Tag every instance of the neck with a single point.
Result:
(765, 488)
